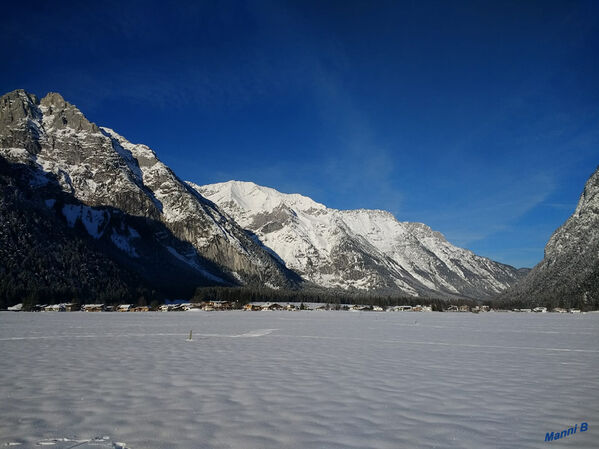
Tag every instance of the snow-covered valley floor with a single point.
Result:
(302, 380)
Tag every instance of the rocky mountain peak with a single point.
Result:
(589, 200)
(16, 106)
(580, 226)
(61, 114)
(249, 195)
(54, 99)
(20, 122)
(424, 230)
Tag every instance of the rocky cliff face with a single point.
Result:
(101, 169)
(358, 249)
(568, 275)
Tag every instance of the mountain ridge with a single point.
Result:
(101, 168)
(248, 235)
(316, 241)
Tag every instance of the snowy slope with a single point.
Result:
(300, 380)
(364, 249)
(102, 169)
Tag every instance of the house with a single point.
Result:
(252, 307)
(356, 308)
(559, 310)
(196, 308)
(540, 310)
(273, 306)
(55, 308)
(574, 310)
(15, 308)
(140, 309)
(464, 308)
(223, 305)
(452, 308)
(92, 307)
(179, 307)
(124, 308)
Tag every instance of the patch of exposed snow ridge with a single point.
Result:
(93, 220)
(123, 242)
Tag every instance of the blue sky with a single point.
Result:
(480, 119)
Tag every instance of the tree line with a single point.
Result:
(245, 295)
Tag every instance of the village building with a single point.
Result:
(273, 306)
(140, 309)
(220, 305)
(358, 308)
(92, 307)
(252, 307)
(62, 307)
(55, 308)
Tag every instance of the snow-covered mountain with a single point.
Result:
(361, 249)
(568, 275)
(101, 169)
(122, 203)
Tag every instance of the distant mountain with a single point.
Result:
(358, 249)
(121, 199)
(568, 275)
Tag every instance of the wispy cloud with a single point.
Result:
(477, 216)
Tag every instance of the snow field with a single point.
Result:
(298, 380)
